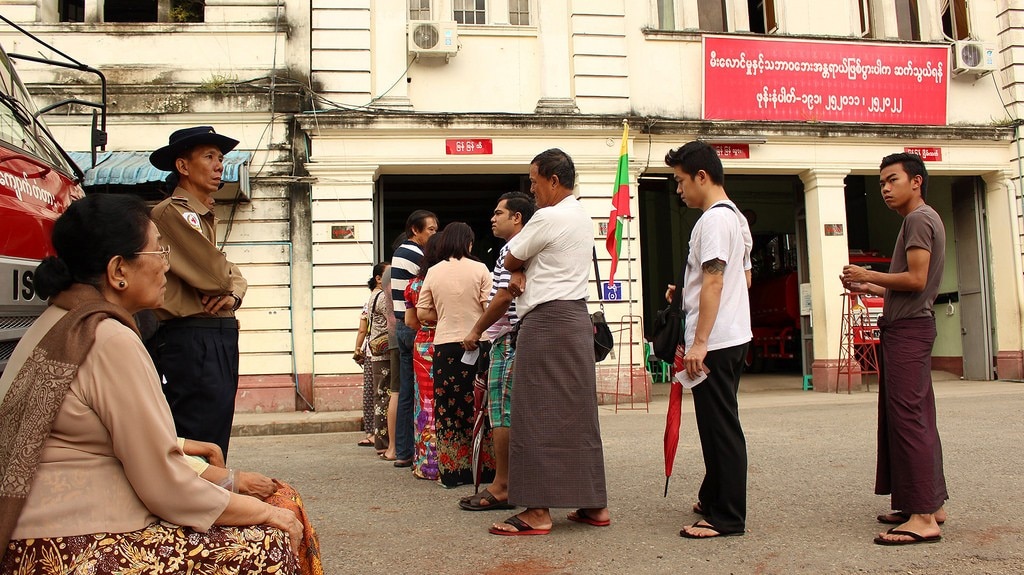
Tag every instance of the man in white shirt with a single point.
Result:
(717, 333)
(556, 458)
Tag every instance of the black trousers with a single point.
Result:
(197, 359)
(723, 493)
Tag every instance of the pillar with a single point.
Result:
(554, 59)
(1003, 241)
(825, 199)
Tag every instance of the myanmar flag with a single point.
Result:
(620, 205)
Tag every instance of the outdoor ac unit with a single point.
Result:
(973, 57)
(433, 38)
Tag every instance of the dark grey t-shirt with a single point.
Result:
(922, 228)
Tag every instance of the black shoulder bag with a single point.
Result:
(603, 341)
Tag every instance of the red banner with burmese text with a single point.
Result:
(818, 81)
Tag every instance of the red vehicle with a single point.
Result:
(775, 312)
(37, 183)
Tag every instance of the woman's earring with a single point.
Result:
(120, 284)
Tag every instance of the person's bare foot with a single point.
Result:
(899, 517)
(924, 525)
(593, 515)
(704, 530)
(539, 519)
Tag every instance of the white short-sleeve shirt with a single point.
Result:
(556, 245)
(720, 233)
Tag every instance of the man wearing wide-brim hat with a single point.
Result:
(196, 347)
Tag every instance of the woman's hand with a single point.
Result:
(286, 521)
(210, 451)
(255, 484)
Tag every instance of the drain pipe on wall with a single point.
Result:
(291, 314)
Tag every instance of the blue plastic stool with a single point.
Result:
(807, 383)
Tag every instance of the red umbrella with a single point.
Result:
(481, 422)
(675, 407)
(480, 425)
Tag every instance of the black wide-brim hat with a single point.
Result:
(181, 140)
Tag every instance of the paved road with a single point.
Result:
(811, 509)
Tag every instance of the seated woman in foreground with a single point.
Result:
(91, 475)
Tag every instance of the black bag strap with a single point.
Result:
(597, 274)
(373, 308)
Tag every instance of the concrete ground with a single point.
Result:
(810, 502)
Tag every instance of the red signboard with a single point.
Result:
(927, 154)
(817, 81)
(460, 146)
(732, 151)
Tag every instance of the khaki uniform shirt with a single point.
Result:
(198, 268)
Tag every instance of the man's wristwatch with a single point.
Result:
(238, 302)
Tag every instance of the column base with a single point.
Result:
(556, 106)
(826, 377)
(1010, 364)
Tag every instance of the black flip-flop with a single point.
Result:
(365, 443)
(915, 538)
(684, 533)
(476, 502)
(903, 518)
(522, 528)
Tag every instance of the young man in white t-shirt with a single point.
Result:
(717, 333)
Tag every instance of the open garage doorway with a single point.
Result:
(772, 205)
(468, 198)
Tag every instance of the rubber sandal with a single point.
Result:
(902, 518)
(477, 502)
(915, 538)
(522, 528)
(686, 534)
(699, 509)
(365, 443)
(581, 516)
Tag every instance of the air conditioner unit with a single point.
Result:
(974, 58)
(433, 38)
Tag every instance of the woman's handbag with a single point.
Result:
(379, 344)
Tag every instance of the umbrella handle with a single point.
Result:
(666, 485)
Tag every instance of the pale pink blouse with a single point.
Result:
(112, 462)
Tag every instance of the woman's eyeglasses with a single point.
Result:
(163, 252)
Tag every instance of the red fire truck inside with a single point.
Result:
(37, 183)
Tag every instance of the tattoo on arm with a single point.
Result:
(714, 267)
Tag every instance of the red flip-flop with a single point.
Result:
(581, 516)
(522, 528)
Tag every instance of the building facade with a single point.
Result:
(356, 112)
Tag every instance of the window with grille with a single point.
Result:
(419, 9)
(470, 11)
(519, 12)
